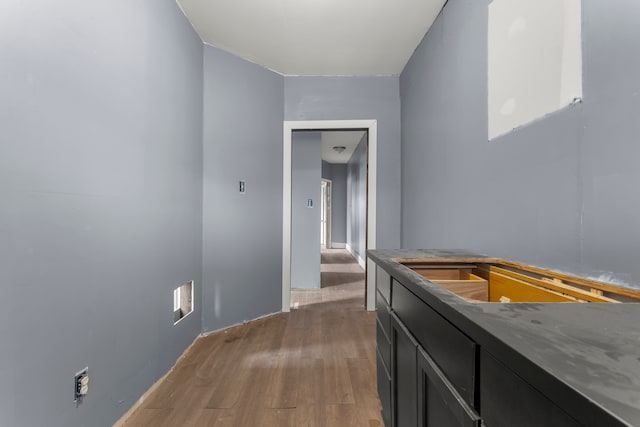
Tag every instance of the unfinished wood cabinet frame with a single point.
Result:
(523, 282)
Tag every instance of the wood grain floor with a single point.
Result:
(314, 366)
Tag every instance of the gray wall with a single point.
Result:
(558, 192)
(337, 173)
(357, 200)
(354, 98)
(100, 212)
(326, 170)
(306, 160)
(242, 248)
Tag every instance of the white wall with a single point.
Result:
(534, 60)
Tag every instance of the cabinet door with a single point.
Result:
(383, 345)
(404, 375)
(384, 390)
(439, 404)
(454, 352)
(507, 400)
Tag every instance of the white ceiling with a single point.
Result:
(348, 139)
(316, 37)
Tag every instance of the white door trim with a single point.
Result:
(372, 161)
(328, 205)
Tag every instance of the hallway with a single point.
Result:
(314, 366)
(341, 279)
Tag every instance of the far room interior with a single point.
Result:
(329, 193)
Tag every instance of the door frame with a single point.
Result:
(327, 203)
(372, 155)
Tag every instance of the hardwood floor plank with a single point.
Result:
(282, 389)
(311, 388)
(337, 381)
(344, 415)
(272, 417)
(312, 416)
(217, 418)
(150, 417)
(188, 406)
(367, 401)
(251, 350)
(313, 340)
(205, 417)
(313, 367)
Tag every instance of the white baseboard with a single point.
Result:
(335, 245)
(357, 257)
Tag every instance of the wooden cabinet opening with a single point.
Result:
(507, 282)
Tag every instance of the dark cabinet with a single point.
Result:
(384, 390)
(453, 351)
(384, 316)
(403, 375)
(464, 361)
(384, 346)
(439, 403)
(508, 401)
(421, 393)
(413, 389)
(383, 284)
(383, 341)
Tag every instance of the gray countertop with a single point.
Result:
(593, 349)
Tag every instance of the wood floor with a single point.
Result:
(314, 366)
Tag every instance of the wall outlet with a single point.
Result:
(81, 384)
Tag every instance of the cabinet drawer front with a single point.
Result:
(451, 350)
(383, 283)
(438, 401)
(384, 346)
(382, 308)
(404, 381)
(507, 400)
(384, 390)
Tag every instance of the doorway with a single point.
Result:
(371, 175)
